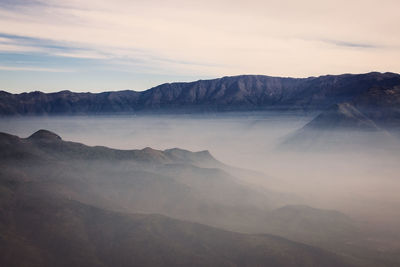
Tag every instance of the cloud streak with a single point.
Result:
(8, 68)
(353, 45)
(211, 38)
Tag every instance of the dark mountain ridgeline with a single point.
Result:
(342, 116)
(370, 118)
(246, 92)
(371, 110)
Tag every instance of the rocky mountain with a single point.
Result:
(245, 92)
(342, 116)
(370, 118)
(374, 109)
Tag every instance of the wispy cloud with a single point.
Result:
(206, 38)
(9, 68)
(19, 3)
(353, 44)
(15, 43)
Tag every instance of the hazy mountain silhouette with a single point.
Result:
(311, 225)
(174, 182)
(67, 204)
(45, 231)
(59, 187)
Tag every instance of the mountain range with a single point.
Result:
(245, 92)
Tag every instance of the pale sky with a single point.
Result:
(98, 45)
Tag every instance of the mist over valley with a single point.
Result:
(255, 173)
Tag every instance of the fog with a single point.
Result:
(352, 172)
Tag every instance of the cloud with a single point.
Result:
(8, 68)
(352, 45)
(209, 38)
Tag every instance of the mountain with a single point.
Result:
(62, 201)
(48, 145)
(245, 92)
(182, 184)
(381, 106)
(342, 116)
(370, 118)
(45, 231)
(67, 204)
(298, 221)
(374, 109)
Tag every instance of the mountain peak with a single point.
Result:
(342, 115)
(44, 135)
(203, 157)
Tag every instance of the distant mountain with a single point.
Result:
(381, 106)
(371, 110)
(342, 116)
(246, 92)
(371, 118)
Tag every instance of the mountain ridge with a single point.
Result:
(76, 234)
(229, 93)
(375, 113)
(180, 184)
(54, 145)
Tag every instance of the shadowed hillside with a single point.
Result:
(372, 117)
(62, 204)
(40, 231)
(88, 200)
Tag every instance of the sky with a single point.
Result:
(98, 45)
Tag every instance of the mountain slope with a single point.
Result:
(178, 183)
(46, 144)
(370, 118)
(43, 170)
(43, 231)
(311, 225)
(371, 110)
(246, 92)
(67, 204)
(342, 116)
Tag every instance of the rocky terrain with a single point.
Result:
(246, 92)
